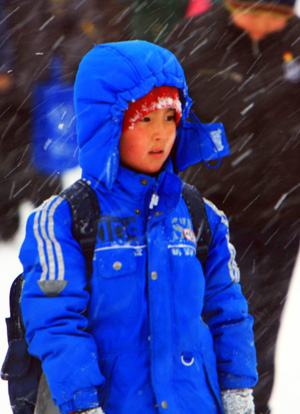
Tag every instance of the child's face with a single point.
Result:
(146, 147)
(258, 26)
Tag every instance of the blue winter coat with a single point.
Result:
(148, 332)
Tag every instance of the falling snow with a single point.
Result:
(244, 154)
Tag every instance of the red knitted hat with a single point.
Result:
(159, 98)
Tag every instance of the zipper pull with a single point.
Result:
(154, 201)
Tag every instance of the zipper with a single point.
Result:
(155, 198)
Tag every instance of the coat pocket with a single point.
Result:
(106, 367)
(192, 387)
(117, 262)
(116, 283)
(212, 377)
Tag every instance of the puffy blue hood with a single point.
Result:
(109, 77)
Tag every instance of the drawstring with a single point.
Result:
(202, 130)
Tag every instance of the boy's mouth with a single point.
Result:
(157, 153)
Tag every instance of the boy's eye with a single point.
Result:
(171, 118)
(145, 119)
(171, 115)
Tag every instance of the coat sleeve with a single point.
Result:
(53, 303)
(226, 309)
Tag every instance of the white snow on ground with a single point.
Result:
(285, 394)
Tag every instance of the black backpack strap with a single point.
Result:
(15, 330)
(85, 211)
(197, 210)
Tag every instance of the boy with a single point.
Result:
(149, 331)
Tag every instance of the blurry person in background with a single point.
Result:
(196, 7)
(10, 150)
(6, 53)
(32, 33)
(247, 53)
(153, 20)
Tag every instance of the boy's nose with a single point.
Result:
(159, 131)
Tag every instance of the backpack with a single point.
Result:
(20, 369)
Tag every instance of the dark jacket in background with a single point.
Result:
(249, 87)
(153, 20)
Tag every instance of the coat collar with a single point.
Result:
(159, 194)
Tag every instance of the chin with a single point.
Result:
(150, 171)
(257, 36)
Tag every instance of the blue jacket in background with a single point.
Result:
(148, 332)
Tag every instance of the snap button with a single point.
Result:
(137, 211)
(117, 265)
(158, 213)
(154, 275)
(187, 363)
(144, 181)
(164, 404)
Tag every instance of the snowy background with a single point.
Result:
(285, 396)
